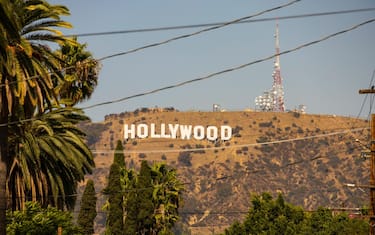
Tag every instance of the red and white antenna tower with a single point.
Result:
(277, 91)
(273, 100)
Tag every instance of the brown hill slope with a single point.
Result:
(308, 159)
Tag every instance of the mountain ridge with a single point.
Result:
(307, 158)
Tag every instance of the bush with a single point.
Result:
(266, 148)
(262, 139)
(42, 221)
(265, 124)
(296, 114)
(184, 158)
(276, 216)
(224, 190)
(145, 110)
(186, 146)
(236, 131)
(201, 147)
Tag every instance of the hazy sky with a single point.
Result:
(325, 77)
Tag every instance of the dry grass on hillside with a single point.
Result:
(318, 156)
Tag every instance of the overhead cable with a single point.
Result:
(199, 32)
(215, 74)
(365, 98)
(201, 25)
(217, 179)
(170, 40)
(143, 30)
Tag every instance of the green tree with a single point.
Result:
(87, 211)
(269, 216)
(61, 127)
(144, 189)
(235, 229)
(114, 222)
(130, 203)
(37, 220)
(119, 156)
(80, 73)
(115, 192)
(152, 205)
(132, 207)
(323, 221)
(139, 207)
(167, 197)
(50, 158)
(25, 65)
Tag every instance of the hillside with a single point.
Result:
(307, 158)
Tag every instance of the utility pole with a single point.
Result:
(372, 165)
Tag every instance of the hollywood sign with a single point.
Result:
(174, 131)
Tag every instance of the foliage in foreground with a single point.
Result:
(144, 202)
(44, 159)
(37, 220)
(87, 211)
(269, 216)
(114, 190)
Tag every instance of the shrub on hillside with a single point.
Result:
(265, 124)
(184, 158)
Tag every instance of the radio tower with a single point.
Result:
(277, 91)
(273, 99)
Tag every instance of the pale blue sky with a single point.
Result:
(325, 77)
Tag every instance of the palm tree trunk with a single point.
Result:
(3, 176)
(3, 163)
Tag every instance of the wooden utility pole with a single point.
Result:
(372, 165)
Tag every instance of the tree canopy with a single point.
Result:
(115, 192)
(87, 212)
(275, 216)
(42, 221)
(42, 153)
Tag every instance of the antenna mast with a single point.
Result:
(277, 90)
(273, 99)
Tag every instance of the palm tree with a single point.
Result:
(25, 67)
(167, 196)
(80, 71)
(50, 157)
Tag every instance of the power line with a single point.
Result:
(316, 157)
(237, 21)
(142, 30)
(199, 32)
(215, 74)
(172, 39)
(365, 98)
